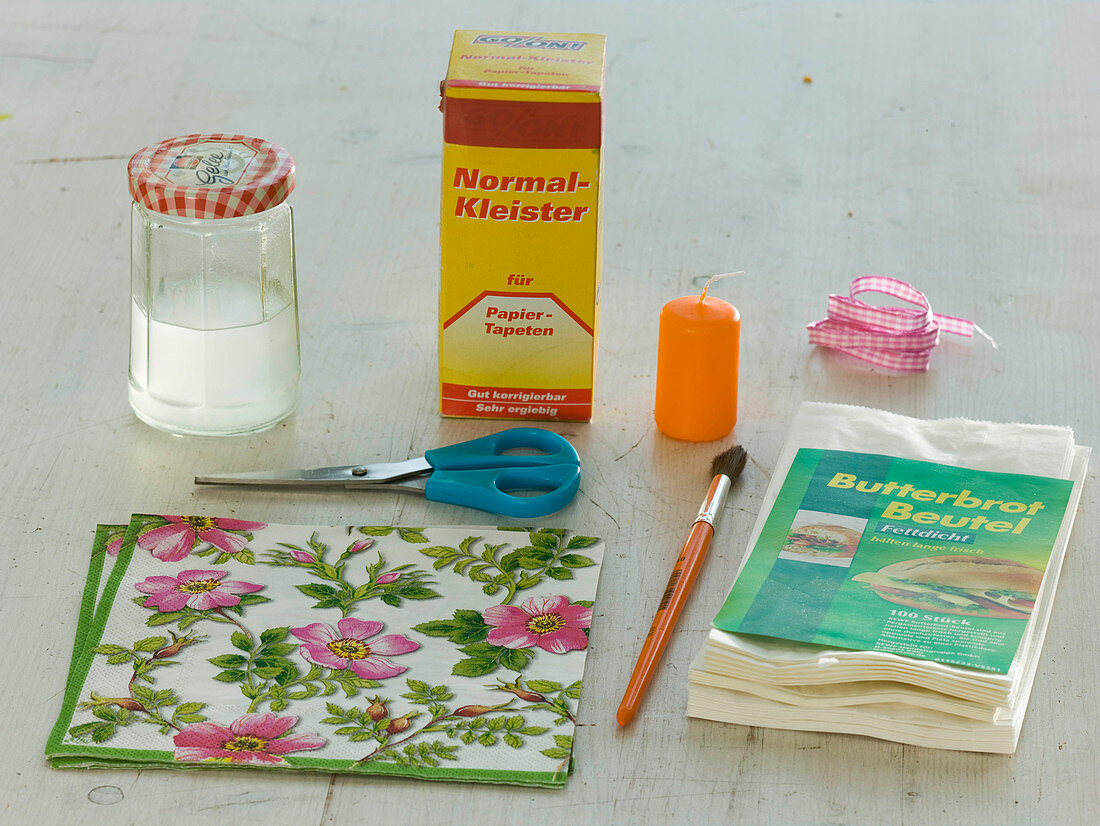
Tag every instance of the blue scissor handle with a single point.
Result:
(485, 452)
(485, 489)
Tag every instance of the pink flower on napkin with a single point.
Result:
(200, 590)
(353, 644)
(551, 623)
(253, 738)
(304, 557)
(174, 541)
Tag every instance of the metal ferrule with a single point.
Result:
(712, 505)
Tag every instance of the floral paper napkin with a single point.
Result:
(447, 653)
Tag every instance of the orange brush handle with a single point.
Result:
(679, 586)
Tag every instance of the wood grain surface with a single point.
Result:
(954, 145)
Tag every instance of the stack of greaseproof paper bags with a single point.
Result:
(763, 680)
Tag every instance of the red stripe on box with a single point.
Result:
(522, 124)
(534, 87)
(515, 402)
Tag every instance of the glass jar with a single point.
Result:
(214, 347)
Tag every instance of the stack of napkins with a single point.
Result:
(899, 582)
(448, 653)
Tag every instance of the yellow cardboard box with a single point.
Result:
(520, 225)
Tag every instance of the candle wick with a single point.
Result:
(712, 279)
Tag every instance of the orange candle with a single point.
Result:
(697, 354)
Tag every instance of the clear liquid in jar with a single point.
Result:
(221, 381)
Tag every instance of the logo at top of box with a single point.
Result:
(530, 41)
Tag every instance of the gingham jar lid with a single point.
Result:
(211, 176)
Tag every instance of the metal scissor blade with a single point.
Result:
(302, 476)
(349, 476)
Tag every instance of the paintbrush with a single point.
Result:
(726, 467)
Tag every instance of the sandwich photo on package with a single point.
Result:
(961, 585)
(823, 538)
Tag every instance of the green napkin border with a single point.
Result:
(89, 629)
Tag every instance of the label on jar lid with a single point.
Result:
(216, 163)
(211, 176)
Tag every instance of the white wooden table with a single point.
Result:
(954, 145)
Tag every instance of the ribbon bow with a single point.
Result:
(898, 338)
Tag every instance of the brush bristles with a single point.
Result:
(729, 462)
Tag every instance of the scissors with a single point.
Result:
(475, 474)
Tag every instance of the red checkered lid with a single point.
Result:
(211, 176)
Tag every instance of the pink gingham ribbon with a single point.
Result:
(898, 338)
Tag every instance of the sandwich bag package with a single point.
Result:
(944, 554)
(898, 581)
